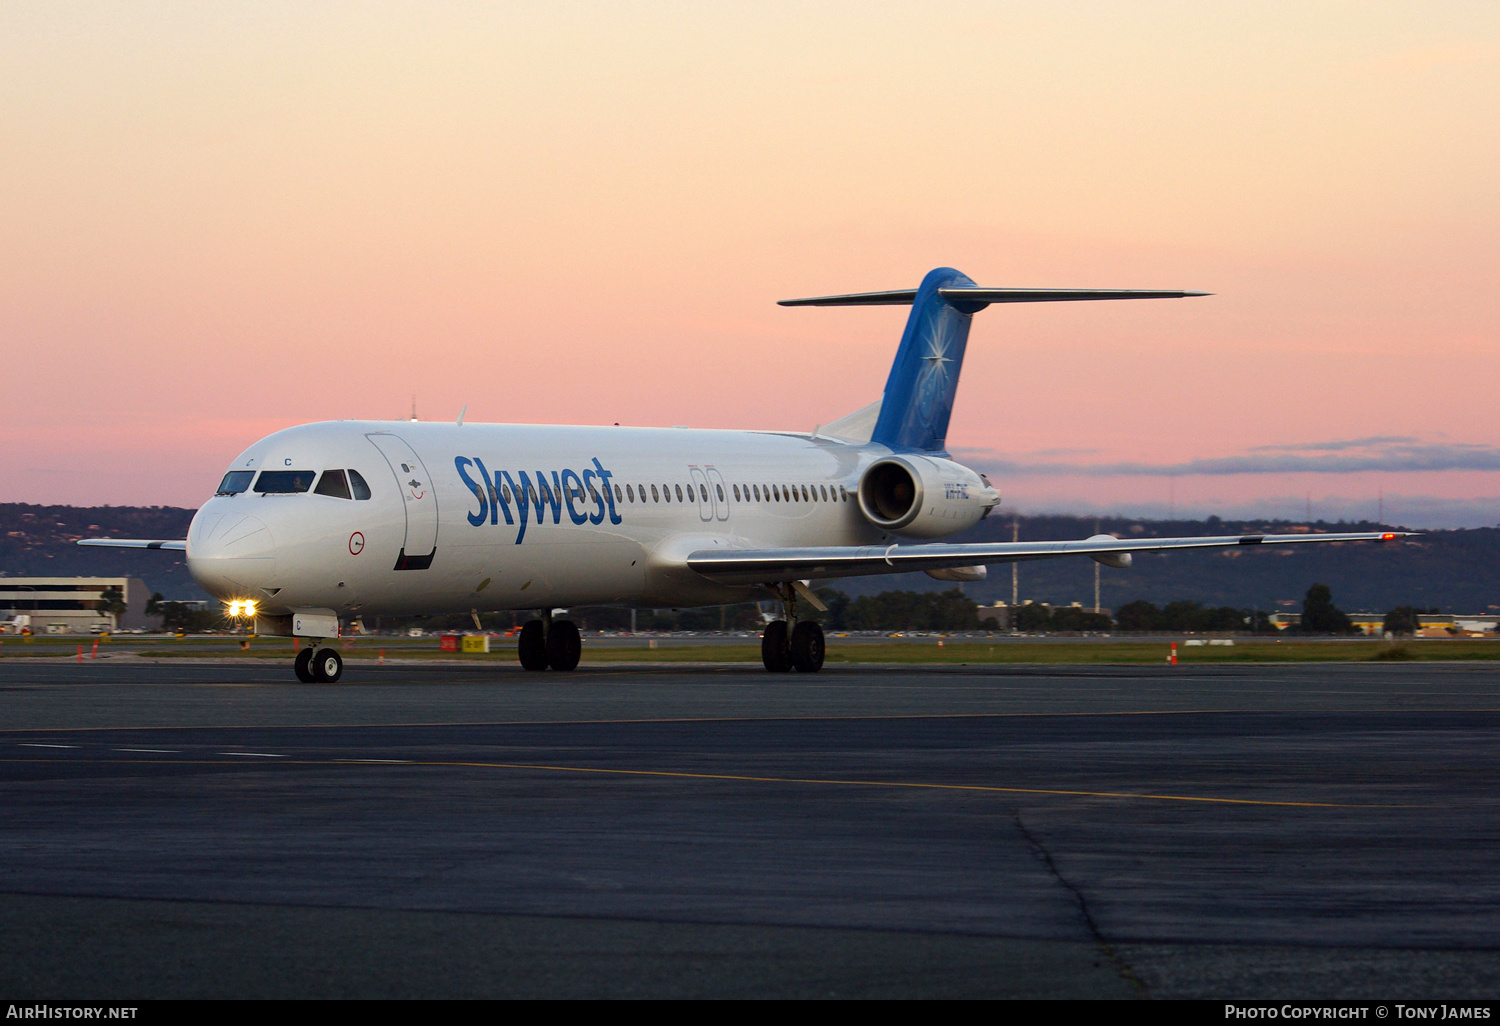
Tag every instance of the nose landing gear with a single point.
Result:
(318, 666)
(328, 666)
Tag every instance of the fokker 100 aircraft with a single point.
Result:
(351, 518)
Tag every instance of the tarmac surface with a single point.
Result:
(206, 829)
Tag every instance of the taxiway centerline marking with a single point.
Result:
(897, 784)
(738, 778)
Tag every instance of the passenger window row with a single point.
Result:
(742, 493)
(791, 493)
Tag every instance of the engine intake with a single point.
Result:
(923, 496)
(890, 493)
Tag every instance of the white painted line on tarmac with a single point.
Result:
(28, 744)
(154, 751)
(391, 761)
(255, 755)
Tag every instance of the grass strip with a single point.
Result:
(924, 651)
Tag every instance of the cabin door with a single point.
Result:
(419, 498)
(718, 491)
(700, 492)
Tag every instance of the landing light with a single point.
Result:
(242, 609)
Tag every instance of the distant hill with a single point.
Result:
(38, 541)
(1457, 571)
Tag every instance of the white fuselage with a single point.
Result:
(620, 511)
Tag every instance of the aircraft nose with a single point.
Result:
(231, 555)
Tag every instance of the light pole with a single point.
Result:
(1097, 524)
(1015, 569)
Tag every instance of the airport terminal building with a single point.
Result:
(1430, 625)
(70, 605)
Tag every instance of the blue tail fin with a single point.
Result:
(919, 393)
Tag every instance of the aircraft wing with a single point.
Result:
(770, 566)
(172, 544)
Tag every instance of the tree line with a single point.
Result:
(949, 610)
(1320, 617)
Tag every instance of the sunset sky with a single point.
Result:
(218, 220)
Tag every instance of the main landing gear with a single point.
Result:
(319, 665)
(558, 645)
(791, 643)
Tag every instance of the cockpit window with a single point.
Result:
(282, 482)
(333, 483)
(361, 490)
(234, 482)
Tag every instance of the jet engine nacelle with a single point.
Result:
(924, 496)
(1118, 560)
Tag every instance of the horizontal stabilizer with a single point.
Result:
(904, 297)
(172, 544)
(772, 566)
(917, 404)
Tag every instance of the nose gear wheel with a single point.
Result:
(303, 666)
(327, 666)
